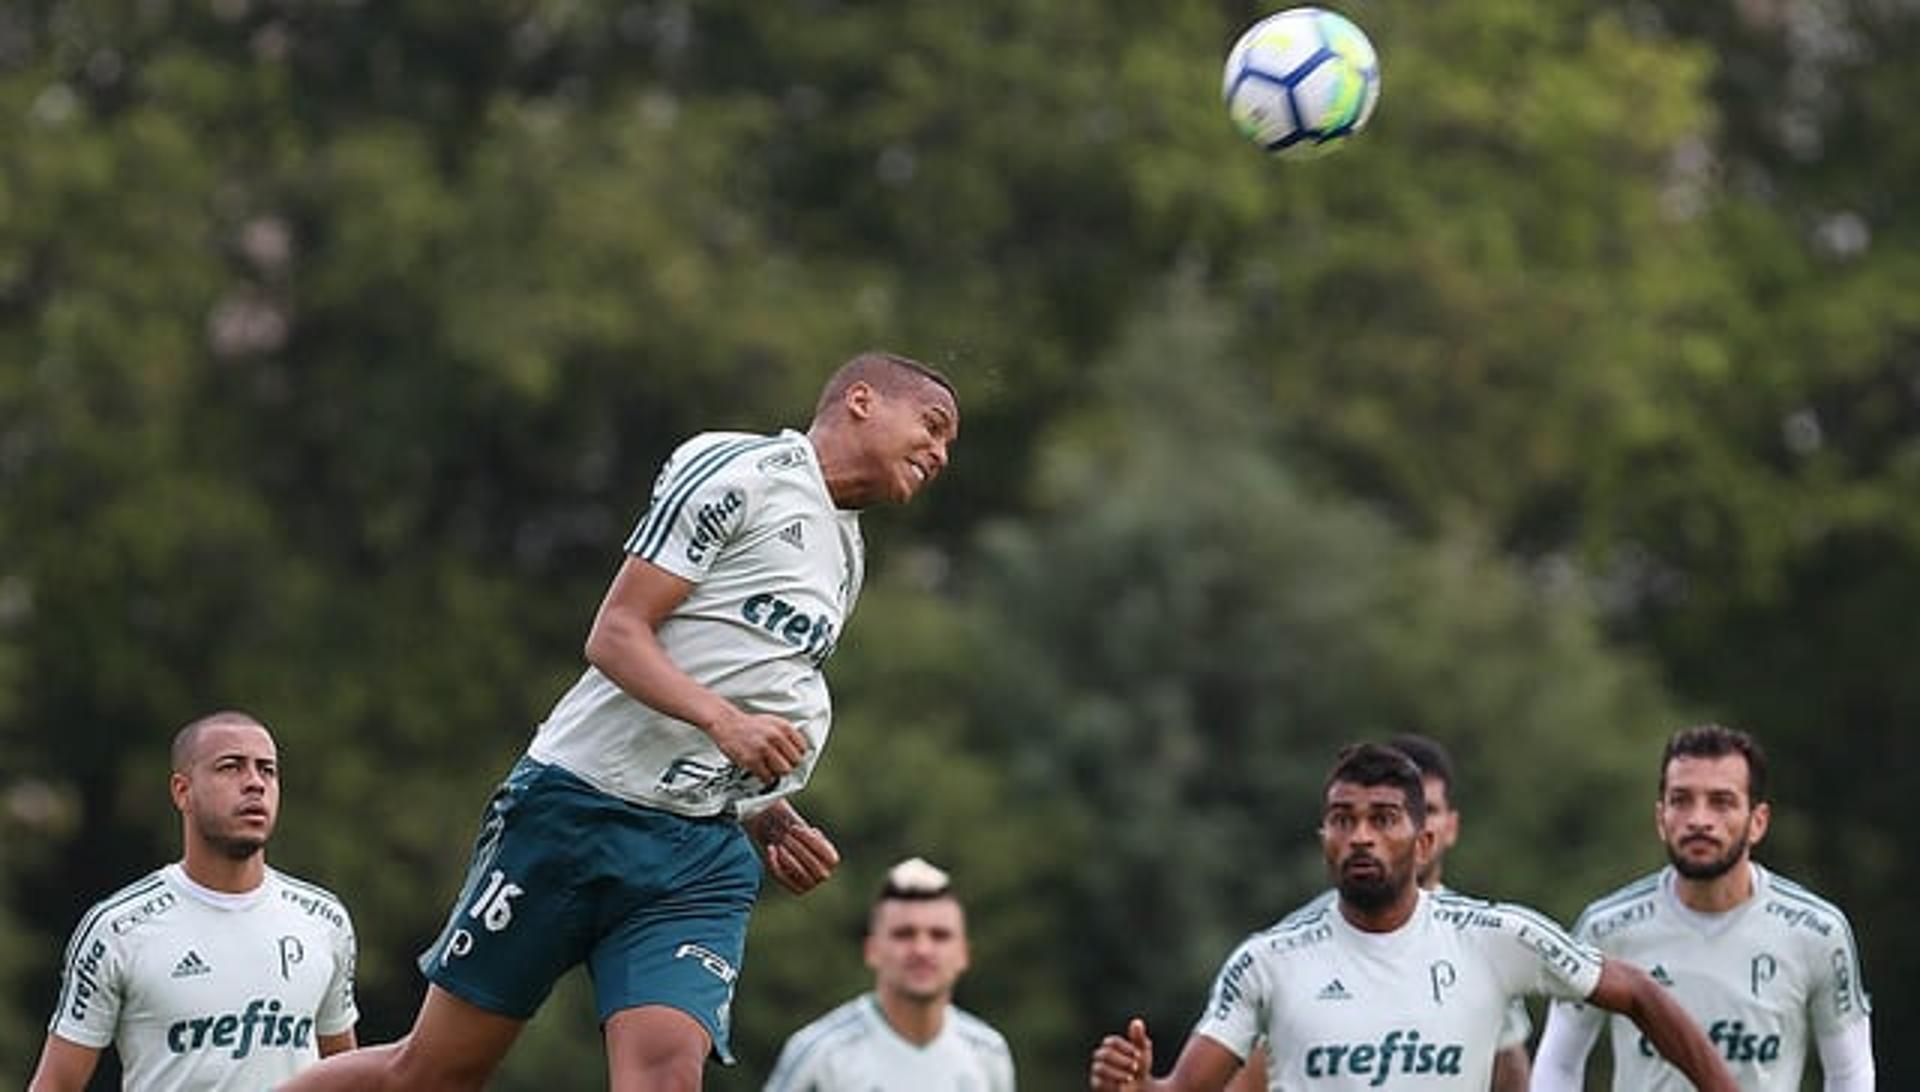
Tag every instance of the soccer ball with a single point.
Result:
(1301, 81)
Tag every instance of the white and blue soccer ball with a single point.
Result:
(1301, 81)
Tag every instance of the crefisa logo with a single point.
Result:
(1736, 1043)
(261, 1024)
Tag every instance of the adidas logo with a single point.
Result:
(191, 965)
(1659, 974)
(792, 535)
(1334, 991)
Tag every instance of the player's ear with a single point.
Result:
(860, 399)
(177, 789)
(1760, 820)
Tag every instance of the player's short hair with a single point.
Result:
(912, 880)
(1371, 764)
(1428, 754)
(1718, 741)
(888, 373)
(187, 740)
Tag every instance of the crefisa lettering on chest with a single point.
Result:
(1398, 1051)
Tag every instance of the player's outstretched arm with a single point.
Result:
(1125, 1064)
(1626, 989)
(65, 1066)
(624, 645)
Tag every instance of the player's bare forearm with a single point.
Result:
(624, 645)
(65, 1066)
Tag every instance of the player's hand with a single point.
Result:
(766, 746)
(1123, 1065)
(799, 855)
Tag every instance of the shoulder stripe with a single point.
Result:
(1788, 891)
(311, 888)
(1642, 888)
(648, 539)
(138, 889)
(1537, 920)
(845, 1024)
(979, 1034)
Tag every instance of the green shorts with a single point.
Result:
(655, 904)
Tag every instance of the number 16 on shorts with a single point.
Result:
(492, 908)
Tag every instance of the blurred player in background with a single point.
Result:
(907, 1035)
(214, 972)
(626, 838)
(1762, 963)
(1510, 1066)
(1391, 983)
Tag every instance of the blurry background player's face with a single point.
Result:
(1705, 816)
(1372, 847)
(917, 948)
(1443, 822)
(230, 792)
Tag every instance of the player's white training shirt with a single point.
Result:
(201, 990)
(1418, 1008)
(1760, 979)
(776, 570)
(1516, 1027)
(854, 1049)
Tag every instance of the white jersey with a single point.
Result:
(1760, 979)
(854, 1049)
(776, 569)
(1516, 1027)
(202, 990)
(1421, 1007)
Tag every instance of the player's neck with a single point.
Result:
(836, 469)
(1719, 894)
(918, 1022)
(216, 871)
(1387, 918)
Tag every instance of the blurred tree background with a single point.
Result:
(1578, 399)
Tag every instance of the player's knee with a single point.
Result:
(660, 1073)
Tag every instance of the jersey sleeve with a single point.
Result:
(338, 1012)
(702, 502)
(92, 983)
(1839, 996)
(1001, 1071)
(1539, 957)
(1237, 1005)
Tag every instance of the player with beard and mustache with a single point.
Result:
(1390, 983)
(1762, 963)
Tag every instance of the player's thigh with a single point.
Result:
(524, 915)
(655, 1049)
(680, 935)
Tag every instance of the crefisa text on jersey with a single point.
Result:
(236, 1031)
(315, 906)
(1736, 1043)
(1401, 1049)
